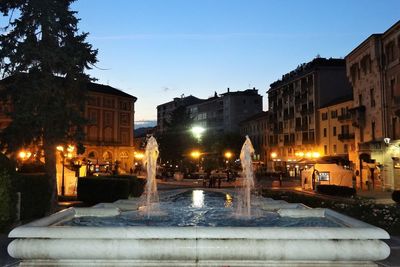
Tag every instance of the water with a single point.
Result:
(244, 203)
(150, 196)
(201, 208)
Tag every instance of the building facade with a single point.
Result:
(108, 138)
(374, 71)
(109, 133)
(336, 131)
(293, 104)
(223, 113)
(256, 128)
(164, 111)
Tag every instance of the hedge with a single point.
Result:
(35, 194)
(94, 189)
(396, 196)
(136, 185)
(336, 190)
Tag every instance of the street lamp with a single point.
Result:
(69, 149)
(196, 155)
(198, 131)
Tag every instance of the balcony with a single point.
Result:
(308, 141)
(346, 136)
(288, 116)
(344, 117)
(358, 116)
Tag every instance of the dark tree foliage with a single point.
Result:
(177, 141)
(43, 58)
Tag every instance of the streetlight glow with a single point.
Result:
(228, 154)
(198, 131)
(195, 154)
(274, 155)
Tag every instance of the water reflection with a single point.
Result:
(198, 199)
(228, 201)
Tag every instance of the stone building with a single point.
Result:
(293, 104)
(164, 111)
(256, 128)
(223, 113)
(374, 72)
(109, 133)
(336, 131)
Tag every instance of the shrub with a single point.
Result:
(35, 194)
(32, 167)
(136, 185)
(336, 190)
(7, 200)
(102, 189)
(396, 196)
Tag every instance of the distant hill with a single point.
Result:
(140, 132)
(144, 124)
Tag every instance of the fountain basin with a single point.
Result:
(48, 242)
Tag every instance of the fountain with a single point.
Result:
(198, 228)
(244, 203)
(150, 196)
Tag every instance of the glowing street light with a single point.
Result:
(23, 155)
(274, 155)
(228, 155)
(195, 154)
(316, 155)
(138, 155)
(69, 149)
(198, 131)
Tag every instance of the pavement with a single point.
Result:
(378, 196)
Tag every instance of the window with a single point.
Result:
(124, 119)
(360, 100)
(108, 102)
(390, 52)
(334, 114)
(93, 116)
(108, 118)
(346, 148)
(324, 132)
(334, 149)
(372, 97)
(373, 130)
(334, 130)
(324, 116)
(325, 149)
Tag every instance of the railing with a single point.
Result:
(344, 117)
(346, 136)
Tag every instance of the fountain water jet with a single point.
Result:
(151, 203)
(244, 203)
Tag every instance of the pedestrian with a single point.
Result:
(280, 180)
(219, 182)
(313, 180)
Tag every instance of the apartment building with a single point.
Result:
(336, 131)
(256, 128)
(223, 113)
(164, 111)
(374, 72)
(293, 104)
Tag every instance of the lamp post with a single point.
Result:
(196, 155)
(69, 151)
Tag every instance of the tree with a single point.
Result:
(177, 140)
(43, 58)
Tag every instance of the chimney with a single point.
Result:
(228, 90)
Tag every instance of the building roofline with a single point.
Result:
(396, 24)
(374, 35)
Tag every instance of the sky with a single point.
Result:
(160, 49)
